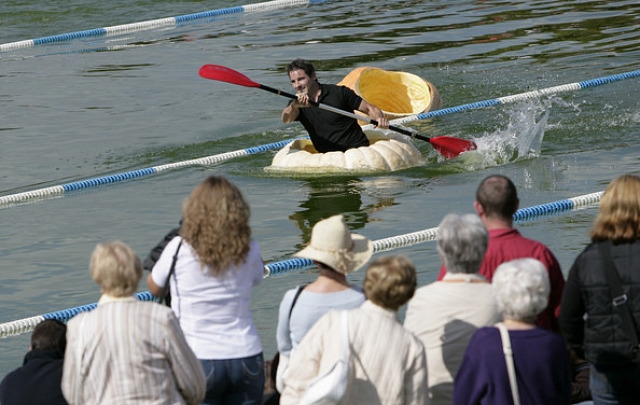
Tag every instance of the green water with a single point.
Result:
(101, 105)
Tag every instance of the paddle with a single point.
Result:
(448, 146)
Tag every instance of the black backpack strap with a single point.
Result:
(165, 289)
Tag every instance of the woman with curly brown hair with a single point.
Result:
(215, 266)
(602, 336)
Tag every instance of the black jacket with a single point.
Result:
(36, 382)
(602, 336)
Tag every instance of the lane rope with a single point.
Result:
(282, 267)
(61, 189)
(151, 24)
(522, 96)
(13, 199)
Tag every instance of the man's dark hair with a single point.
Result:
(498, 196)
(301, 64)
(50, 334)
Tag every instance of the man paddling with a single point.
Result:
(328, 131)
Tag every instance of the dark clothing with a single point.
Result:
(602, 338)
(328, 130)
(36, 382)
(542, 365)
(619, 386)
(155, 253)
(580, 386)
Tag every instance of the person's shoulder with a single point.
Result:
(71, 323)
(484, 334)
(485, 343)
(254, 245)
(154, 309)
(590, 251)
(549, 336)
(424, 293)
(328, 322)
(9, 381)
(354, 290)
(532, 242)
(289, 294)
(542, 338)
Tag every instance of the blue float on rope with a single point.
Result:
(519, 97)
(279, 268)
(114, 178)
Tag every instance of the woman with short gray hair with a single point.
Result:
(522, 290)
(462, 242)
(445, 314)
(541, 359)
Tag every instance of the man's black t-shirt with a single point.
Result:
(328, 130)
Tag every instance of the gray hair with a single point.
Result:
(522, 288)
(462, 242)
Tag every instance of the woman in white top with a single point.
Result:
(216, 266)
(336, 252)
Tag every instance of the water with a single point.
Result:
(101, 105)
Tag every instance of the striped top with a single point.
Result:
(387, 363)
(129, 352)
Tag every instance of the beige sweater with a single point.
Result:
(388, 363)
(444, 315)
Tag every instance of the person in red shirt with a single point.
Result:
(496, 202)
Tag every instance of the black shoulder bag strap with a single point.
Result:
(620, 299)
(165, 289)
(295, 298)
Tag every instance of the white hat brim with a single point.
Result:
(359, 255)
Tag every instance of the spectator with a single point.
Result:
(541, 358)
(336, 252)
(496, 203)
(216, 266)
(38, 380)
(444, 314)
(605, 340)
(127, 351)
(387, 362)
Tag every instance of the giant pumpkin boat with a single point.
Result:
(397, 94)
(386, 152)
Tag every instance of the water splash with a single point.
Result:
(521, 138)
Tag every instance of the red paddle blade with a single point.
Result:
(451, 147)
(224, 74)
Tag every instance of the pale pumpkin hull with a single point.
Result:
(388, 152)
